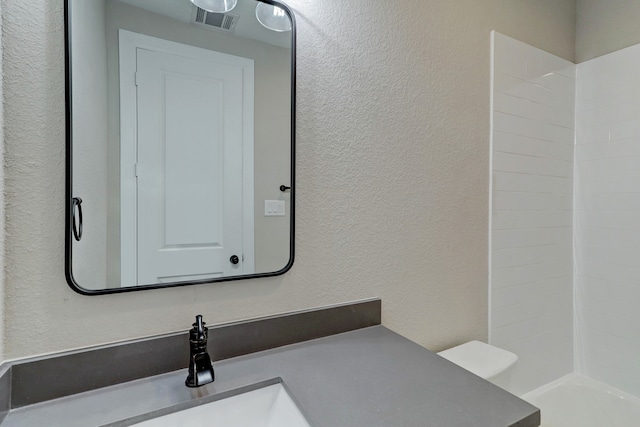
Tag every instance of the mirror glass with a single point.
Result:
(180, 143)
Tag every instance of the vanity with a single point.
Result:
(338, 364)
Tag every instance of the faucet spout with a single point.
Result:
(204, 370)
(200, 366)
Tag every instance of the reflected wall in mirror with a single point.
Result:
(180, 143)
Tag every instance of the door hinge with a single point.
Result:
(136, 169)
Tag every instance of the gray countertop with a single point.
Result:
(371, 377)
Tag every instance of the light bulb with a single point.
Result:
(216, 6)
(273, 17)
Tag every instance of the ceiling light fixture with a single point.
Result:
(273, 17)
(216, 6)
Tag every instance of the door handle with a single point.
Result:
(77, 219)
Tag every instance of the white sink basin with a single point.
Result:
(269, 406)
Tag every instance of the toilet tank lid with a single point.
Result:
(482, 359)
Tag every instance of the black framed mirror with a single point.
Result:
(180, 143)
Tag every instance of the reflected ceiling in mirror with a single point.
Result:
(180, 144)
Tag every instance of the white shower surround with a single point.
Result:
(578, 401)
(532, 133)
(607, 213)
(531, 221)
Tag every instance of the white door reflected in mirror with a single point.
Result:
(194, 162)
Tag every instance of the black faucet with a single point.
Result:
(200, 366)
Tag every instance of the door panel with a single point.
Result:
(189, 168)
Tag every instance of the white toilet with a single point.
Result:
(486, 361)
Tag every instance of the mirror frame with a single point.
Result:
(69, 211)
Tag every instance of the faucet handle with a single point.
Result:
(199, 331)
(200, 325)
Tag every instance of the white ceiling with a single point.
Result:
(177, 9)
(247, 26)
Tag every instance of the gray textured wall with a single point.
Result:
(2, 211)
(393, 164)
(604, 26)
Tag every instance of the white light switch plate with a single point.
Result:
(274, 208)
